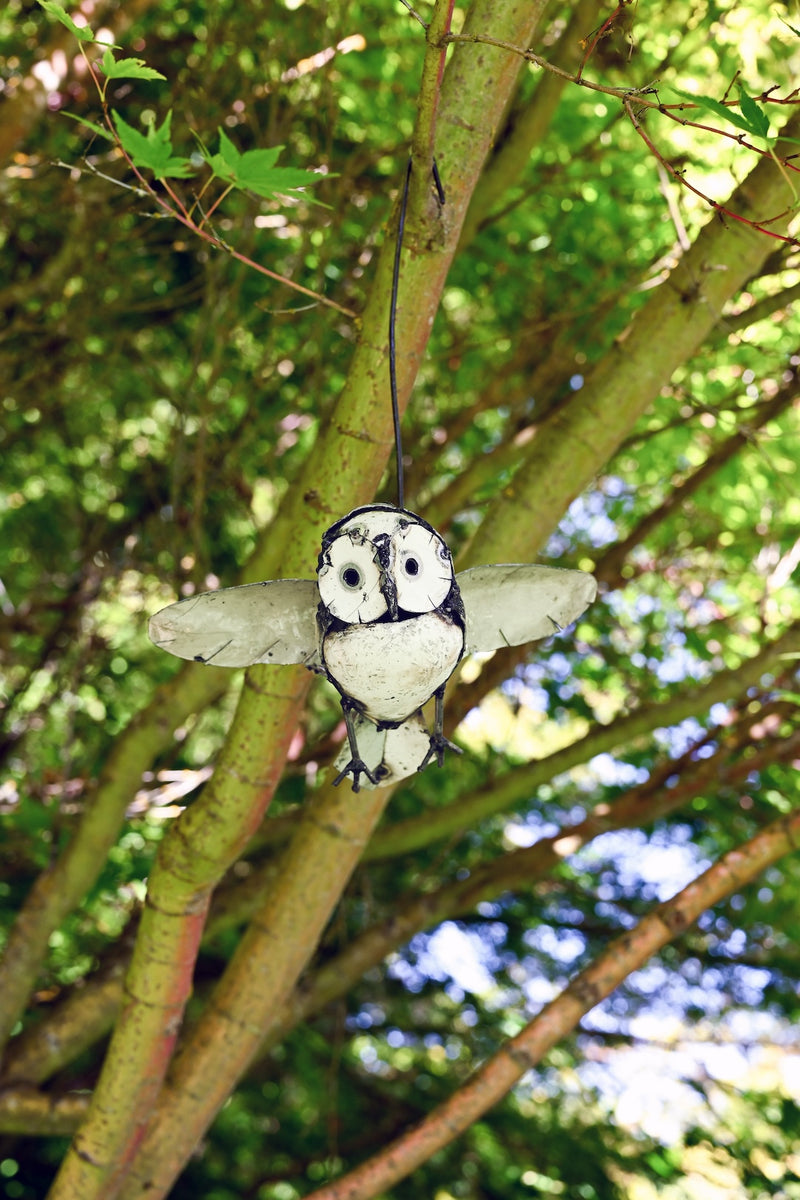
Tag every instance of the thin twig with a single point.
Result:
(604, 28)
(414, 13)
(672, 208)
(639, 94)
(722, 209)
(430, 87)
(398, 253)
(178, 211)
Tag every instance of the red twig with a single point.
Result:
(715, 204)
(666, 110)
(638, 97)
(601, 32)
(178, 211)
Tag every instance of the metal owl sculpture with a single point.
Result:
(387, 621)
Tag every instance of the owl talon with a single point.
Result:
(356, 767)
(439, 743)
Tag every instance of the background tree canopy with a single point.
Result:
(565, 964)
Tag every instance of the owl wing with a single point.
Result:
(512, 603)
(273, 622)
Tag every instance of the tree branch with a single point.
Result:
(611, 562)
(664, 333)
(501, 795)
(258, 981)
(521, 1054)
(519, 871)
(58, 891)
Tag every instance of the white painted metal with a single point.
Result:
(510, 604)
(389, 631)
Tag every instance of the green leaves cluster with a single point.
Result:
(751, 117)
(153, 151)
(127, 68)
(82, 32)
(254, 170)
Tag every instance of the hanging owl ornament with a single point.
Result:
(387, 621)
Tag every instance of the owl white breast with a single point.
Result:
(392, 668)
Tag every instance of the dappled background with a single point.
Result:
(160, 401)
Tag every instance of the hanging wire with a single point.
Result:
(398, 440)
(398, 250)
(437, 181)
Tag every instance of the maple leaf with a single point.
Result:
(153, 151)
(255, 170)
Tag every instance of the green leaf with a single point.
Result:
(152, 152)
(754, 113)
(127, 68)
(796, 32)
(715, 106)
(98, 129)
(82, 32)
(255, 170)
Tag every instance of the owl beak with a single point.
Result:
(389, 594)
(387, 585)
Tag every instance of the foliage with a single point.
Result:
(600, 334)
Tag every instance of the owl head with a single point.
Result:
(383, 563)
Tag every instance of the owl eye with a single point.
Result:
(350, 576)
(349, 580)
(423, 569)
